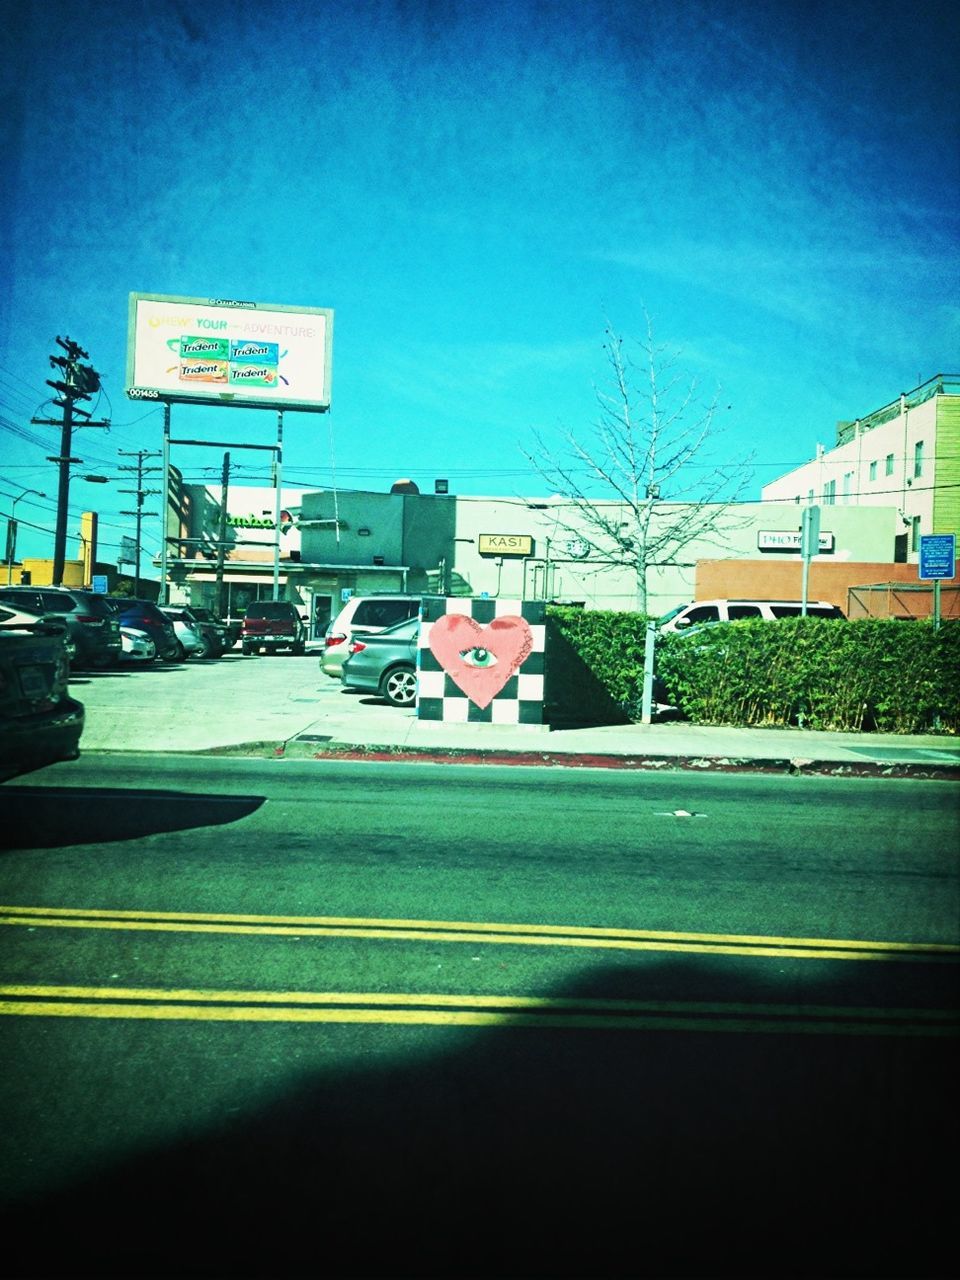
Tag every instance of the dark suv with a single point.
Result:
(145, 616)
(90, 620)
(271, 625)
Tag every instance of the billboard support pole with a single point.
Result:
(277, 468)
(165, 504)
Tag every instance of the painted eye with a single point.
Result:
(478, 657)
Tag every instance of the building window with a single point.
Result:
(810, 497)
(847, 485)
(830, 493)
(918, 458)
(915, 534)
(873, 470)
(888, 465)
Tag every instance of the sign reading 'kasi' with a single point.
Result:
(505, 544)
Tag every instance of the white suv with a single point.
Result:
(362, 614)
(703, 612)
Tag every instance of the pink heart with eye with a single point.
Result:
(480, 660)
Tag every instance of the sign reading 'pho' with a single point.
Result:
(787, 540)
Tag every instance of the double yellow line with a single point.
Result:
(475, 933)
(444, 1010)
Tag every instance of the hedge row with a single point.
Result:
(875, 674)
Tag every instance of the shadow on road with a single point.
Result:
(51, 817)
(511, 1151)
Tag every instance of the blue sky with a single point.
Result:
(476, 189)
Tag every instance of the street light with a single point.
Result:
(12, 531)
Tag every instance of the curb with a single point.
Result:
(795, 767)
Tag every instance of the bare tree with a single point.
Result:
(648, 458)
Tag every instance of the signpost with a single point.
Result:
(809, 546)
(938, 561)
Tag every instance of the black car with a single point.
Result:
(89, 617)
(144, 615)
(231, 630)
(39, 721)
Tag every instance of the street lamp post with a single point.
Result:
(12, 531)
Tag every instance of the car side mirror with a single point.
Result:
(681, 623)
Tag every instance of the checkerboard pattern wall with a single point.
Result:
(520, 701)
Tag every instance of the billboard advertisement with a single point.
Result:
(216, 351)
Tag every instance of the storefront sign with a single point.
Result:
(505, 544)
(789, 540)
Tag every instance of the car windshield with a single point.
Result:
(672, 614)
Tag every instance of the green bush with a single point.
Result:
(609, 644)
(893, 677)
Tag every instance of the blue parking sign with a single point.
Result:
(938, 555)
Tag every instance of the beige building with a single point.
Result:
(905, 455)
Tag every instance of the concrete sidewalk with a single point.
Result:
(283, 706)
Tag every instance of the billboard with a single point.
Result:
(216, 351)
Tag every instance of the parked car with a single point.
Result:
(144, 615)
(197, 639)
(39, 721)
(385, 662)
(89, 618)
(12, 619)
(273, 625)
(366, 615)
(229, 629)
(702, 612)
(137, 646)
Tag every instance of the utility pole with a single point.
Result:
(141, 493)
(79, 382)
(222, 532)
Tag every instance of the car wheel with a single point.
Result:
(399, 686)
(205, 650)
(247, 650)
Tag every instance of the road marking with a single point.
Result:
(444, 1009)
(582, 936)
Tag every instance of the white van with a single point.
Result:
(704, 612)
(363, 614)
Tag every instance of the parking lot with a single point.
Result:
(229, 701)
(285, 705)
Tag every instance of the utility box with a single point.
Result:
(481, 661)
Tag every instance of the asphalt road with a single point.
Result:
(275, 1018)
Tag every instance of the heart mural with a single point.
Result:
(480, 660)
